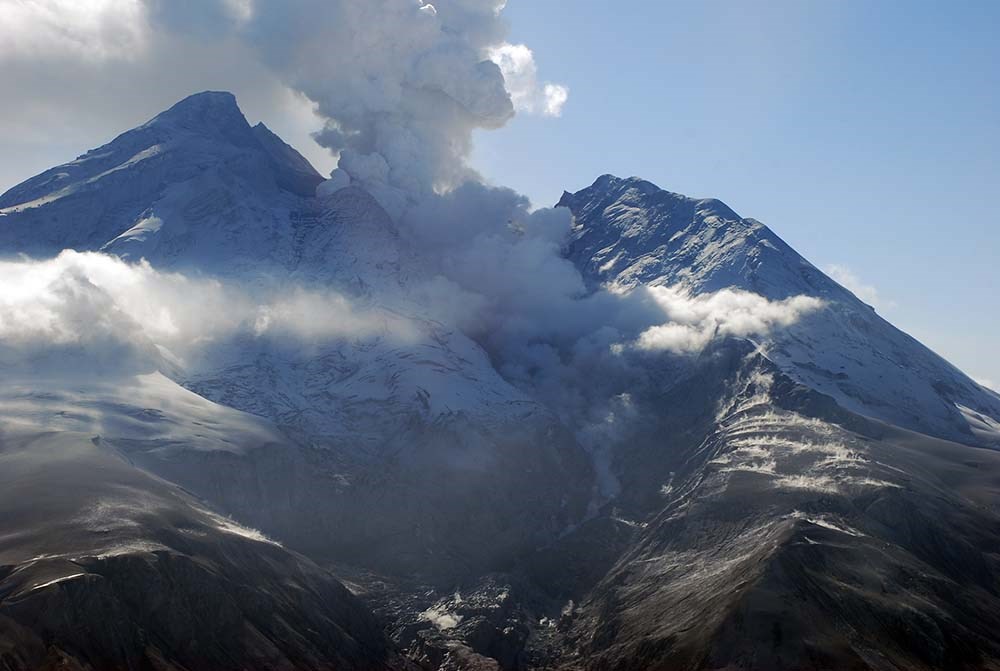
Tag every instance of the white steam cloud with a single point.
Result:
(517, 62)
(694, 321)
(98, 306)
(401, 83)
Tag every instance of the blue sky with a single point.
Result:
(866, 134)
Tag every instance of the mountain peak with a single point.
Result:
(629, 231)
(606, 183)
(609, 182)
(633, 188)
(214, 114)
(221, 103)
(203, 142)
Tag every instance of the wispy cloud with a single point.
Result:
(848, 279)
(985, 382)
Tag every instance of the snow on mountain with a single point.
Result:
(628, 232)
(147, 408)
(217, 210)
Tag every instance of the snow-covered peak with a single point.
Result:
(641, 192)
(212, 114)
(188, 172)
(629, 232)
(208, 119)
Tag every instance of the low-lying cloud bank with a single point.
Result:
(515, 295)
(596, 360)
(99, 308)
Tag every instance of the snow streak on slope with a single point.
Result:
(791, 450)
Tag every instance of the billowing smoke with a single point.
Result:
(402, 84)
(517, 62)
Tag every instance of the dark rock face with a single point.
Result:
(172, 611)
(485, 623)
(413, 516)
(115, 569)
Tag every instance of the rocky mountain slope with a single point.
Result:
(773, 529)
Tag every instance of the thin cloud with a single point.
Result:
(985, 382)
(850, 281)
